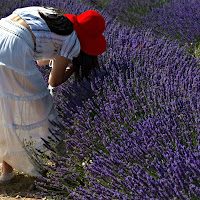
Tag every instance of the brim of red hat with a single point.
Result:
(93, 46)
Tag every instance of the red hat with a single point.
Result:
(89, 27)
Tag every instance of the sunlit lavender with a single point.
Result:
(178, 20)
(133, 132)
(131, 12)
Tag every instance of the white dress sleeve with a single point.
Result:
(70, 47)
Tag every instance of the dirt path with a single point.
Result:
(19, 188)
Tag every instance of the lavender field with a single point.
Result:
(133, 132)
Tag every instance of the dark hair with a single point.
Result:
(57, 22)
(84, 64)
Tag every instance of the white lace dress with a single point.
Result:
(26, 105)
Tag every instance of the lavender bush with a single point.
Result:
(179, 20)
(133, 131)
(130, 12)
(173, 19)
(139, 134)
(8, 5)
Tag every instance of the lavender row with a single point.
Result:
(179, 20)
(129, 12)
(173, 19)
(147, 117)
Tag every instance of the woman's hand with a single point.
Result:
(59, 74)
(68, 72)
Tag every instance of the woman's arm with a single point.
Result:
(59, 74)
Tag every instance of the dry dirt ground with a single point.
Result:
(19, 188)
